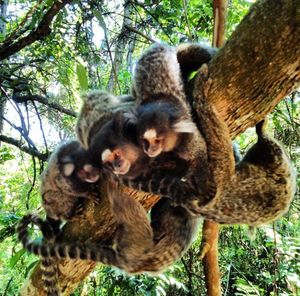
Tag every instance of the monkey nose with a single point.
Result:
(153, 151)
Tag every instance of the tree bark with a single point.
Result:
(43, 29)
(258, 66)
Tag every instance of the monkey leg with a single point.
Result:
(262, 188)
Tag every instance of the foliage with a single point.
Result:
(40, 89)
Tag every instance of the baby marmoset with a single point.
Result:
(68, 177)
(65, 183)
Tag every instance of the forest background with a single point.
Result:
(94, 45)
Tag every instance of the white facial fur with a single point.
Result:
(105, 154)
(68, 169)
(150, 134)
(184, 126)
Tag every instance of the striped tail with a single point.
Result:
(50, 276)
(167, 186)
(94, 252)
(48, 265)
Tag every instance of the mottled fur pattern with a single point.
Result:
(157, 65)
(98, 107)
(158, 88)
(251, 193)
(262, 188)
(259, 192)
(63, 189)
(138, 246)
(61, 194)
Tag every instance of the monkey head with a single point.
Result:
(115, 147)
(160, 125)
(76, 164)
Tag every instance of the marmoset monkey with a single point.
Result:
(138, 246)
(262, 188)
(164, 124)
(69, 176)
(65, 183)
(232, 201)
(163, 116)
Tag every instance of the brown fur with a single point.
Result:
(61, 194)
(252, 193)
(158, 88)
(138, 245)
(262, 188)
(62, 198)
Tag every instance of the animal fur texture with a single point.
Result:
(138, 245)
(258, 190)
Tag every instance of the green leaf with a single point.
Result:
(15, 258)
(30, 267)
(82, 77)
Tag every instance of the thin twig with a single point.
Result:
(139, 33)
(19, 145)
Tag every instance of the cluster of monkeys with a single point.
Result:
(163, 146)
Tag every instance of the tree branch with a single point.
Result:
(210, 230)
(254, 71)
(250, 75)
(45, 101)
(139, 33)
(42, 30)
(18, 144)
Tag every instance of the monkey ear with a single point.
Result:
(68, 169)
(184, 126)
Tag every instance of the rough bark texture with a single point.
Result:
(258, 66)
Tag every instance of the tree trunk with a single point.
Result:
(3, 13)
(120, 46)
(210, 229)
(258, 66)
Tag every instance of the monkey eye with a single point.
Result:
(117, 155)
(145, 143)
(157, 141)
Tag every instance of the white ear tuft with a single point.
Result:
(150, 134)
(185, 126)
(105, 155)
(68, 169)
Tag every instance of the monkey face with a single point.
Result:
(154, 142)
(75, 168)
(121, 158)
(88, 173)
